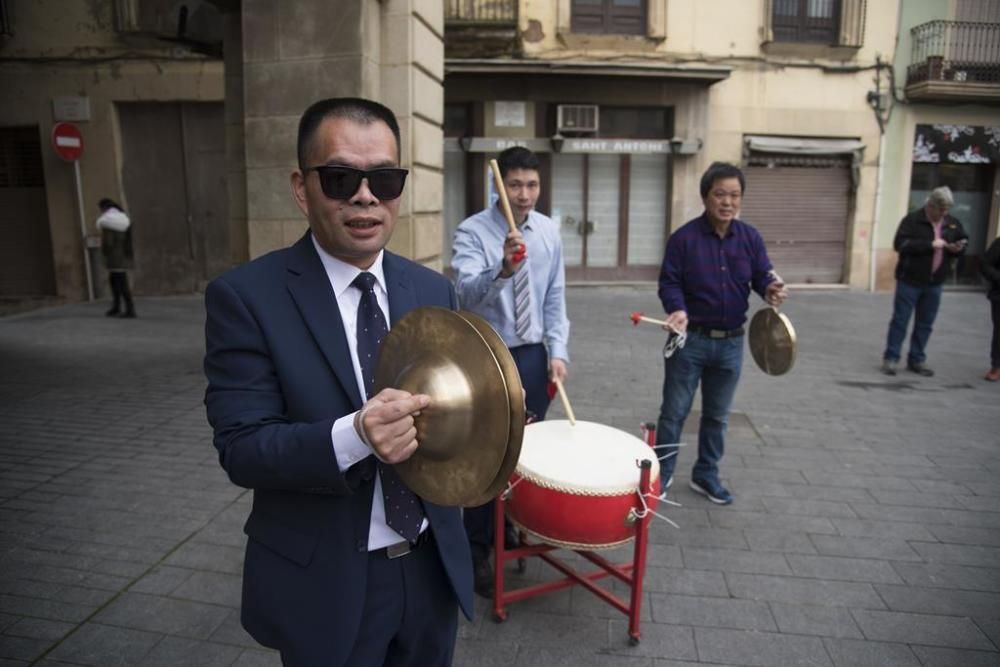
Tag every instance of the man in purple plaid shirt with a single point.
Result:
(710, 265)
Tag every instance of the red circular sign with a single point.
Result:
(67, 141)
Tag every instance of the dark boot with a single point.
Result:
(482, 575)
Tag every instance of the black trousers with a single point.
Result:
(533, 366)
(995, 345)
(120, 291)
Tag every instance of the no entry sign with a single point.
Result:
(67, 141)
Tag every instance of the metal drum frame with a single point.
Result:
(631, 573)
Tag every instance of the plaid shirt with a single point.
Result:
(710, 277)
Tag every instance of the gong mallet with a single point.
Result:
(565, 401)
(505, 203)
(637, 317)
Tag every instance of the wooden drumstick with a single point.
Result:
(502, 192)
(637, 317)
(565, 402)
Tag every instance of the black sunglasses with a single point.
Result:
(340, 182)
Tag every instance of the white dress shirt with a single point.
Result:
(347, 444)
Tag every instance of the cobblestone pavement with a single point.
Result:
(866, 527)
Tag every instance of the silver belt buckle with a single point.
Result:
(716, 333)
(397, 550)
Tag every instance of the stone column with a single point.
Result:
(295, 53)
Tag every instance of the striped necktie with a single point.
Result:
(522, 302)
(403, 511)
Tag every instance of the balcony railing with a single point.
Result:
(955, 51)
(480, 12)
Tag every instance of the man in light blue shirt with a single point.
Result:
(516, 281)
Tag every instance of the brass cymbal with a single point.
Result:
(463, 434)
(773, 342)
(515, 397)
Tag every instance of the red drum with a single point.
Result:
(577, 486)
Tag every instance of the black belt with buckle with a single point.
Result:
(716, 333)
(401, 548)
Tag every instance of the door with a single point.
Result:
(173, 172)
(26, 251)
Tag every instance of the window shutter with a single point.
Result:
(852, 23)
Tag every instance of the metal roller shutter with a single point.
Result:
(802, 214)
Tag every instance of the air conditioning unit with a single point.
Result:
(576, 118)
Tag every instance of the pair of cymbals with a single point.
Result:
(470, 435)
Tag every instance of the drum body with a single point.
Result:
(577, 486)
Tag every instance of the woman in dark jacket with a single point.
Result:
(116, 247)
(991, 269)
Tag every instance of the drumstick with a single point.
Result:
(637, 317)
(565, 402)
(502, 192)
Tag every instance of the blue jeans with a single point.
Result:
(909, 298)
(716, 363)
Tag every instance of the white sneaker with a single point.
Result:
(670, 481)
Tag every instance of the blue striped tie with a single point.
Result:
(403, 511)
(522, 302)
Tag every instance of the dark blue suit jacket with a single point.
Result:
(279, 375)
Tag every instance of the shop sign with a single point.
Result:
(957, 144)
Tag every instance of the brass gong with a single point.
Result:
(773, 343)
(463, 434)
(515, 398)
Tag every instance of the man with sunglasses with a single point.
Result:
(344, 564)
(516, 281)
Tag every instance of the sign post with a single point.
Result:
(68, 144)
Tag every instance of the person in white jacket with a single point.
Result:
(116, 247)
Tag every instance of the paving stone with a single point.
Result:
(546, 656)
(529, 628)
(923, 629)
(95, 644)
(758, 648)
(854, 653)
(256, 658)
(734, 561)
(176, 651)
(782, 541)
(22, 648)
(164, 615)
(962, 535)
(960, 554)
(685, 582)
(212, 587)
(884, 529)
(931, 656)
(939, 575)
(801, 619)
(940, 601)
(845, 569)
(476, 653)
(863, 547)
(803, 591)
(39, 628)
(162, 580)
(711, 612)
(656, 640)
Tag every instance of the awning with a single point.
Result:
(796, 146)
(707, 74)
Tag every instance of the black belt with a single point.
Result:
(716, 333)
(401, 548)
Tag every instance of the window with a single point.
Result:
(620, 17)
(805, 20)
(635, 122)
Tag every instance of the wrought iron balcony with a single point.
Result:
(954, 60)
(480, 28)
(481, 12)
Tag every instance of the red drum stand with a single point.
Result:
(629, 573)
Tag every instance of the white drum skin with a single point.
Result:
(576, 485)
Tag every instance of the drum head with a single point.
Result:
(773, 343)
